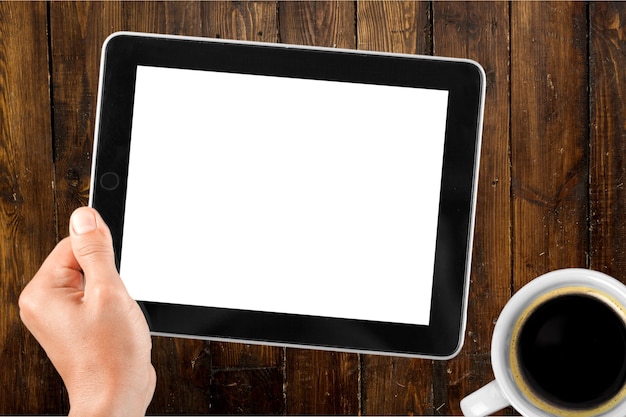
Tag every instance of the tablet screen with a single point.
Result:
(287, 195)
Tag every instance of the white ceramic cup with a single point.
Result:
(559, 349)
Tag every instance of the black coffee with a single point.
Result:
(572, 349)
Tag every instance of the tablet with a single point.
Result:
(289, 195)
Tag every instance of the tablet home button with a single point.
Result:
(109, 181)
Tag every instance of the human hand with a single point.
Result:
(94, 333)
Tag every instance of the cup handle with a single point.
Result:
(485, 401)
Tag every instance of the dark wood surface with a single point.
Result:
(552, 188)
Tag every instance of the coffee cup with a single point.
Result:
(559, 349)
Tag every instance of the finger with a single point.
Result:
(59, 259)
(92, 245)
(59, 272)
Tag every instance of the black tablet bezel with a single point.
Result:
(464, 80)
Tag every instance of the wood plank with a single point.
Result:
(30, 385)
(549, 124)
(247, 379)
(607, 60)
(395, 26)
(397, 386)
(77, 31)
(322, 383)
(480, 31)
(183, 376)
(319, 382)
(247, 20)
(317, 23)
(394, 385)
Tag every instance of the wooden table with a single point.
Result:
(551, 191)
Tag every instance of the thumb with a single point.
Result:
(91, 243)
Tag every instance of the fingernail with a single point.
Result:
(83, 221)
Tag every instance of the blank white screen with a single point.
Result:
(286, 195)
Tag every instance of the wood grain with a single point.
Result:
(397, 386)
(607, 100)
(28, 382)
(77, 31)
(551, 190)
(395, 26)
(251, 21)
(322, 383)
(318, 23)
(549, 137)
(247, 379)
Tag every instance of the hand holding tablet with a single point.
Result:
(334, 191)
(77, 308)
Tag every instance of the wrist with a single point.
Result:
(112, 409)
(104, 402)
(117, 390)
